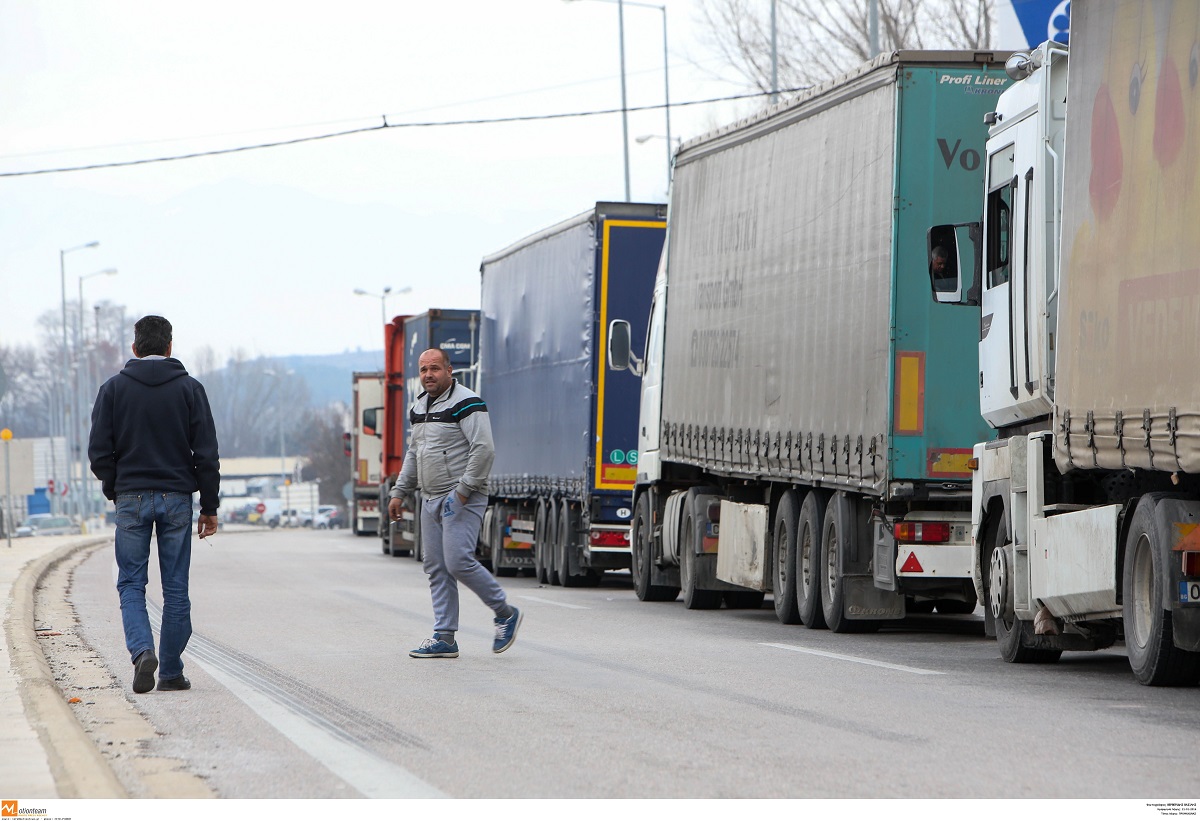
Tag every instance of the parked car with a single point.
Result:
(329, 517)
(44, 524)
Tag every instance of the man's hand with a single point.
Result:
(461, 499)
(394, 506)
(206, 525)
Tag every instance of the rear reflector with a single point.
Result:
(610, 538)
(921, 531)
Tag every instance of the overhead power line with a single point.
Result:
(383, 126)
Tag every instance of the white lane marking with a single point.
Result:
(371, 775)
(555, 603)
(916, 670)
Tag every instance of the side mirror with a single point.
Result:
(946, 265)
(346, 449)
(369, 420)
(619, 345)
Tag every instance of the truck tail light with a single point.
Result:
(1191, 564)
(609, 538)
(921, 531)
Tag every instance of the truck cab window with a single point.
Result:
(1002, 185)
(999, 239)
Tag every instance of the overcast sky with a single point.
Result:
(262, 250)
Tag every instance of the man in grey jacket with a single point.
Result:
(449, 456)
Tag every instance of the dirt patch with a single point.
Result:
(99, 700)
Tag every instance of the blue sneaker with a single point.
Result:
(435, 648)
(506, 631)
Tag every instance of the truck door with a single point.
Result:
(1014, 359)
(650, 408)
(997, 364)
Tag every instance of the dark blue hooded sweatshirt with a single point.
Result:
(152, 429)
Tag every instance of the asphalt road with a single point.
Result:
(302, 688)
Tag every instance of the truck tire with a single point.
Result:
(551, 542)
(783, 558)
(1012, 635)
(690, 537)
(568, 529)
(541, 545)
(484, 553)
(835, 538)
(1149, 637)
(809, 528)
(641, 545)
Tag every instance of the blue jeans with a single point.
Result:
(170, 516)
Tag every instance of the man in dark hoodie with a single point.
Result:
(153, 445)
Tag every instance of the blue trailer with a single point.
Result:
(565, 426)
(455, 331)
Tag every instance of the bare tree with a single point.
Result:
(817, 40)
(321, 441)
(252, 400)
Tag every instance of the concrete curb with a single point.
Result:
(79, 770)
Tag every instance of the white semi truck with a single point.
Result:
(366, 446)
(1086, 510)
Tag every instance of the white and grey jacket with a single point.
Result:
(450, 447)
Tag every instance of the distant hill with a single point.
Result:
(328, 375)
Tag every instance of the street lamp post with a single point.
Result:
(672, 146)
(283, 477)
(621, 4)
(387, 291)
(67, 426)
(774, 56)
(624, 101)
(82, 387)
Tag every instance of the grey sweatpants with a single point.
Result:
(449, 530)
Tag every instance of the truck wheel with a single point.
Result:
(568, 534)
(1012, 634)
(1149, 634)
(689, 542)
(540, 547)
(783, 548)
(566, 544)
(551, 542)
(809, 527)
(835, 538)
(642, 555)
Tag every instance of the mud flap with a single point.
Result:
(863, 600)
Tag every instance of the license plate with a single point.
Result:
(1189, 592)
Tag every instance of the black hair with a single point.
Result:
(152, 336)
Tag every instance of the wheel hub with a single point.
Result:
(998, 586)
